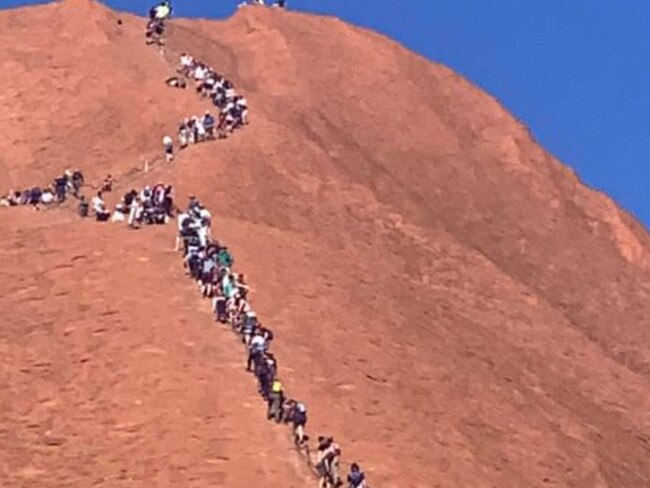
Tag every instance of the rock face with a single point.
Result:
(456, 308)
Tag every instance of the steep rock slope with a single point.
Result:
(452, 303)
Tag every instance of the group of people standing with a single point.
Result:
(152, 205)
(232, 108)
(211, 265)
(69, 183)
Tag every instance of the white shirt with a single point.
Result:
(203, 235)
(257, 343)
(181, 219)
(47, 197)
(204, 213)
(168, 141)
(98, 204)
(199, 73)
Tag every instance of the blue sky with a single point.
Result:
(576, 72)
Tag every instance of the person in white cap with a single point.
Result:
(168, 144)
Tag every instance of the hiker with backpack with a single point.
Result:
(256, 350)
(155, 32)
(298, 415)
(224, 258)
(275, 402)
(265, 378)
(249, 327)
(328, 459)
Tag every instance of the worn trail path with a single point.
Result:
(460, 308)
(123, 375)
(81, 372)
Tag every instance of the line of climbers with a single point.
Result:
(153, 205)
(158, 14)
(211, 265)
(276, 3)
(233, 108)
(68, 183)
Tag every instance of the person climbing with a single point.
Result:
(219, 307)
(275, 401)
(199, 130)
(99, 207)
(241, 104)
(184, 134)
(272, 363)
(155, 32)
(35, 195)
(249, 326)
(168, 201)
(168, 144)
(356, 478)
(266, 333)
(299, 419)
(10, 199)
(186, 64)
(176, 82)
(328, 457)
(163, 11)
(135, 211)
(82, 209)
(77, 182)
(47, 197)
(224, 258)
(265, 379)
(107, 184)
(207, 277)
(119, 214)
(208, 123)
(256, 350)
(61, 188)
